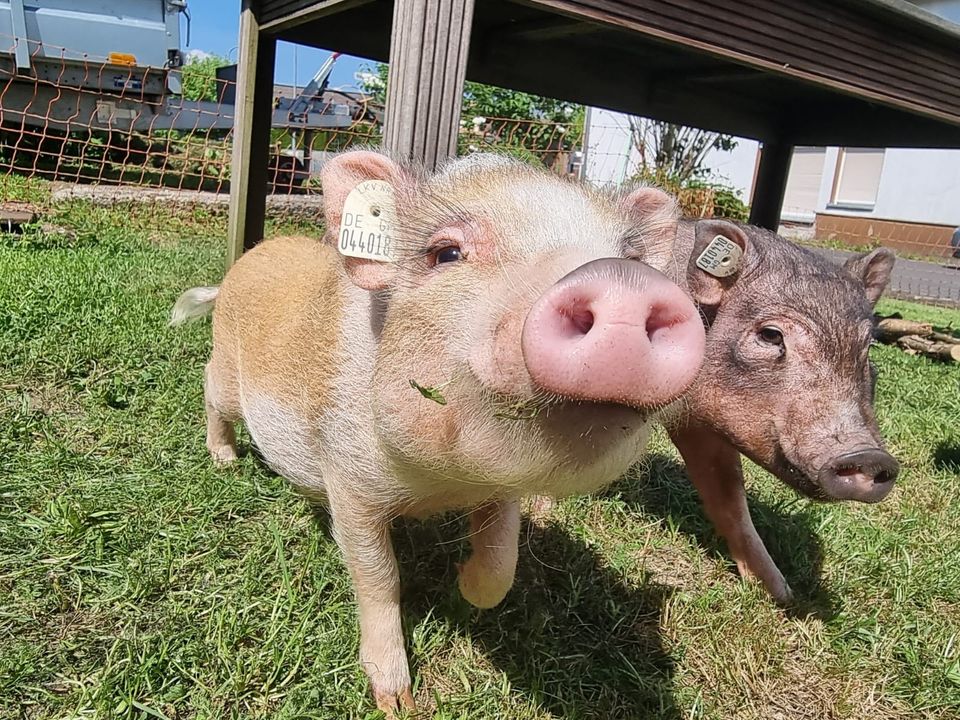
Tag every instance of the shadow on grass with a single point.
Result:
(664, 491)
(946, 456)
(572, 635)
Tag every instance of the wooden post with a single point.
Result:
(771, 183)
(428, 64)
(253, 113)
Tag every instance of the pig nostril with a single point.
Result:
(576, 319)
(659, 319)
(582, 320)
(884, 476)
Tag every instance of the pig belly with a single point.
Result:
(286, 441)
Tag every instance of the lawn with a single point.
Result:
(136, 580)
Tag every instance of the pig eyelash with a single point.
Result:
(431, 253)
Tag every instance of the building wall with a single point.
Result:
(916, 238)
(916, 185)
(916, 207)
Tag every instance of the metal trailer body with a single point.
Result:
(36, 30)
(112, 65)
(87, 64)
(40, 59)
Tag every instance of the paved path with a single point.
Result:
(914, 280)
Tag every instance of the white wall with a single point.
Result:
(611, 158)
(915, 186)
(736, 167)
(920, 186)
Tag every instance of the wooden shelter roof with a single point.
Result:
(807, 72)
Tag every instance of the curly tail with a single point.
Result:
(195, 303)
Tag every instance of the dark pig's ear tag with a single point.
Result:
(721, 258)
(719, 253)
(367, 223)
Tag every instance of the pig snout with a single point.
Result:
(865, 475)
(614, 330)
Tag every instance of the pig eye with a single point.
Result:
(448, 254)
(771, 335)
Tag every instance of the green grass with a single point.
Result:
(137, 581)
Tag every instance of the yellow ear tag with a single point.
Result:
(366, 226)
(721, 257)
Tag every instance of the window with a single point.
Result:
(803, 184)
(858, 177)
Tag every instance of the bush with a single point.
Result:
(698, 198)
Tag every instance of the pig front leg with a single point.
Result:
(364, 539)
(714, 467)
(487, 575)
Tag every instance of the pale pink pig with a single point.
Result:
(538, 348)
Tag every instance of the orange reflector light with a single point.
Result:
(118, 58)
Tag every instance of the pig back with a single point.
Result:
(276, 325)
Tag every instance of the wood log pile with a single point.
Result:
(918, 338)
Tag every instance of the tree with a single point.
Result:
(675, 151)
(481, 100)
(198, 77)
(495, 116)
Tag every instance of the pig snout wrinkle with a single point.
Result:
(865, 475)
(614, 330)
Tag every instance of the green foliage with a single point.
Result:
(726, 200)
(697, 197)
(199, 77)
(495, 102)
(23, 189)
(484, 105)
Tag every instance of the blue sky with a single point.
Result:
(214, 28)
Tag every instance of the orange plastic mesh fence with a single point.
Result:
(80, 119)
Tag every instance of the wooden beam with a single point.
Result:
(428, 62)
(892, 62)
(550, 28)
(771, 184)
(251, 135)
(314, 11)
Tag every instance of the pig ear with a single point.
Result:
(707, 287)
(656, 215)
(873, 270)
(338, 177)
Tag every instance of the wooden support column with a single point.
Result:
(771, 183)
(428, 64)
(253, 113)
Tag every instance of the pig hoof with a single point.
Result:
(388, 703)
(223, 456)
(783, 595)
(480, 586)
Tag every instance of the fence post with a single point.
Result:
(251, 135)
(428, 64)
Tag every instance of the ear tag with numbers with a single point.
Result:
(721, 257)
(367, 223)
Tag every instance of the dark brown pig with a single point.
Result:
(388, 377)
(786, 380)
